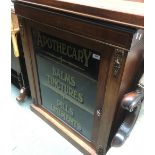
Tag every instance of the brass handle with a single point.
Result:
(14, 39)
(15, 45)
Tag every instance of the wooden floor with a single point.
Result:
(22, 132)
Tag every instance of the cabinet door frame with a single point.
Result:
(107, 87)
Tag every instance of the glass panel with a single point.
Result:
(68, 76)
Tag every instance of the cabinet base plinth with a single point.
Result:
(79, 142)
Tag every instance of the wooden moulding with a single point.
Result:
(64, 130)
(131, 12)
(97, 32)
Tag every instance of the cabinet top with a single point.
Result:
(124, 12)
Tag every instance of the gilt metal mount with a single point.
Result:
(100, 151)
(21, 23)
(118, 59)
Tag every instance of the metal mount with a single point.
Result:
(118, 59)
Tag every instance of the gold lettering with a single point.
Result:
(64, 107)
(72, 82)
(39, 40)
(54, 42)
(48, 79)
(80, 55)
(63, 49)
(67, 78)
(86, 56)
(74, 54)
(59, 47)
(63, 89)
(45, 40)
(62, 110)
(49, 43)
(69, 51)
(80, 98)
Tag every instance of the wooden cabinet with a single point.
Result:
(81, 59)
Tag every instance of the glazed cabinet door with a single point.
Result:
(75, 80)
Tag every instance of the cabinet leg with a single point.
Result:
(22, 95)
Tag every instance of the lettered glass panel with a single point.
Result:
(68, 76)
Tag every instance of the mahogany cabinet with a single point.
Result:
(82, 58)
